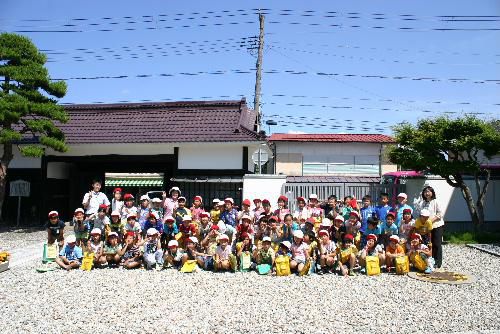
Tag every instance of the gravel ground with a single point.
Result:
(491, 248)
(115, 300)
(21, 238)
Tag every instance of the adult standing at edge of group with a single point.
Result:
(94, 198)
(428, 201)
(170, 203)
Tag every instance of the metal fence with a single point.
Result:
(324, 190)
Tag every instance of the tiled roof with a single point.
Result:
(332, 138)
(163, 122)
(332, 179)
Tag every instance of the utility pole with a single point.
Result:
(258, 74)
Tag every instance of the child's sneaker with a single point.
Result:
(428, 270)
(351, 272)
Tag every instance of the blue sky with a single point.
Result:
(330, 67)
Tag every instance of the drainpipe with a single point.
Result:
(380, 161)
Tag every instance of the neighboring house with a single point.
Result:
(331, 154)
(203, 147)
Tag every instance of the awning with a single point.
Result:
(143, 182)
(208, 180)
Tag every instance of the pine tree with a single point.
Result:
(28, 108)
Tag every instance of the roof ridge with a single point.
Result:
(149, 105)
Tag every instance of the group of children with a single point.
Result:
(315, 238)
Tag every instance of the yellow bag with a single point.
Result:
(282, 265)
(419, 263)
(307, 267)
(178, 236)
(402, 265)
(88, 261)
(189, 267)
(49, 252)
(372, 265)
(245, 261)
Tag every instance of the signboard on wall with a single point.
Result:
(19, 188)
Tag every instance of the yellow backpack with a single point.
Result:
(282, 265)
(189, 267)
(49, 252)
(372, 265)
(419, 263)
(402, 265)
(88, 261)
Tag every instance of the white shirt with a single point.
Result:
(96, 200)
(98, 223)
(116, 205)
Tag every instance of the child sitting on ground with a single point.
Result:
(153, 255)
(130, 253)
(347, 256)
(55, 229)
(111, 250)
(423, 226)
(173, 256)
(328, 251)
(264, 254)
(392, 251)
(300, 252)
(372, 249)
(288, 227)
(169, 231)
(133, 226)
(95, 245)
(418, 248)
(222, 254)
(70, 256)
(154, 222)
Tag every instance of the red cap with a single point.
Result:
(244, 235)
(391, 213)
(283, 198)
(198, 198)
(117, 190)
(371, 237)
(256, 200)
(300, 198)
(204, 214)
(265, 200)
(246, 202)
(348, 237)
(215, 227)
(407, 211)
(130, 233)
(276, 219)
(311, 221)
(128, 196)
(416, 236)
(323, 232)
(354, 213)
(103, 206)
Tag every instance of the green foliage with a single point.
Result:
(472, 238)
(444, 146)
(27, 107)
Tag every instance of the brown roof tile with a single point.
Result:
(197, 121)
(332, 138)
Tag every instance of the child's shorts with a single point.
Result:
(299, 261)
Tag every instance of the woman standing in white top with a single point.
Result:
(429, 202)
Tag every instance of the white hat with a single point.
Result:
(266, 238)
(95, 231)
(216, 200)
(156, 200)
(115, 213)
(403, 195)
(70, 239)
(144, 197)
(152, 231)
(113, 234)
(54, 214)
(395, 238)
(326, 222)
(193, 239)
(287, 244)
(221, 202)
(187, 218)
(174, 189)
(313, 196)
(222, 226)
(173, 243)
(339, 217)
(182, 198)
(77, 210)
(245, 216)
(169, 218)
(223, 237)
(325, 232)
(425, 213)
(298, 234)
(154, 214)
(229, 199)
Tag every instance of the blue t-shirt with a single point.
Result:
(377, 231)
(229, 217)
(170, 230)
(400, 213)
(382, 212)
(295, 226)
(72, 254)
(158, 226)
(389, 230)
(365, 214)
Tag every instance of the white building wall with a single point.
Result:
(120, 149)
(20, 161)
(328, 149)
(263, 186)
(451, 200)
